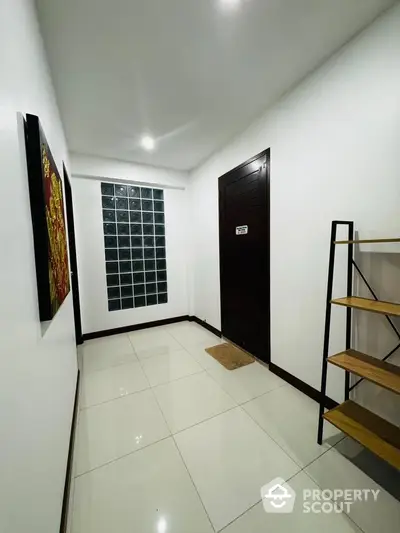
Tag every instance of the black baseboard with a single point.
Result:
(68, 475)
(205, 325)
(306, 389)
(135, 327)
(145, 325)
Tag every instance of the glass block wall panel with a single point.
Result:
(134, 246)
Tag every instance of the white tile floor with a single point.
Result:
(168, 441)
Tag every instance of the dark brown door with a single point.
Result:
(244, 255)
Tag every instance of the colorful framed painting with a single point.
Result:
(49, 229)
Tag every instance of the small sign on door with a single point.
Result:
(242, 230)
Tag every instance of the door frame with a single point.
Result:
(72, 257)
(267, 154)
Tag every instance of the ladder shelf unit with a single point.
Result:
(375, 433)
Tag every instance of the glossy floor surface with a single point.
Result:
(168, 441)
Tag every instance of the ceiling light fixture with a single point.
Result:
(230, 4)
(162, 525)
(148, 142)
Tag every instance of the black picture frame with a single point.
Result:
(51, 293)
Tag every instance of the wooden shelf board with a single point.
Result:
(384, 308)
(366, 241)
(379, 436)
(379, 372)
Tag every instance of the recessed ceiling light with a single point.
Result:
(147, 142)
(230, 4)
(162, 525)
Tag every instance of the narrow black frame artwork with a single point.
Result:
(48, 221)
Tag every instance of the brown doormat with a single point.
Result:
(230, 356)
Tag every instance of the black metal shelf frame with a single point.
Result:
(350, 264)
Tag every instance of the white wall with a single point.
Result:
(102, 167)
(90, 241)
(334, 155)
(37, 374)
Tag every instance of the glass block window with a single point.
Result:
(134, 246)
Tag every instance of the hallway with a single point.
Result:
(170, 441)
(132, 134)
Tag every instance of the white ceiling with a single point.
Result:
(192, 73)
